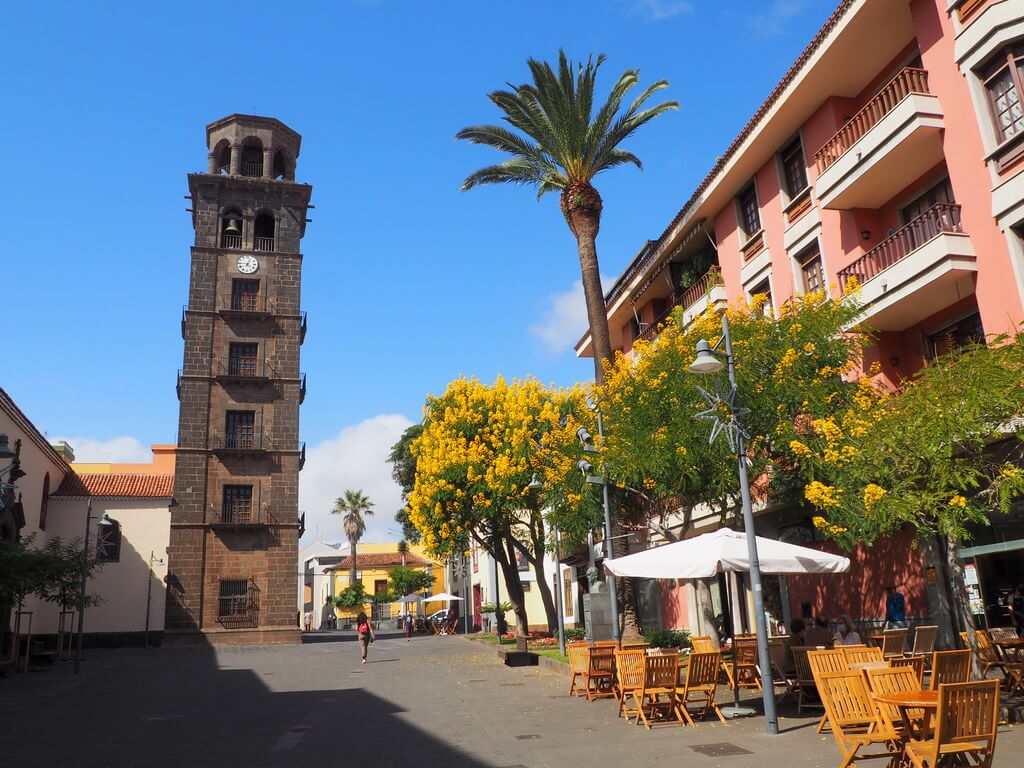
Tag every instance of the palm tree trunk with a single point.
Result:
(352, 570)
(581, 205)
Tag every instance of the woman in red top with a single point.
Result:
(365, 633)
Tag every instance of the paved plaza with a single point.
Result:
(437, 701)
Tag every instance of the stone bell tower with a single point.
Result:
(233, 555)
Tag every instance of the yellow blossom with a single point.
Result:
(872, 494)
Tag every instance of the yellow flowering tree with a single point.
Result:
(790, 371)
(942, 455)
(479, 449)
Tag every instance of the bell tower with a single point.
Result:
(233, 554)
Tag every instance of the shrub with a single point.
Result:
(667, 638)
(575, 633)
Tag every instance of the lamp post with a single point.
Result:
(588, 473)
(104, 522)
(710, 360)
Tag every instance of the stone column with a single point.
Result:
(268, 162)
(211, 163)
(236, 159)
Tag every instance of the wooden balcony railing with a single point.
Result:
(685, 299)
(250, 168)
(263, 244)
(942, 217)
(230, 241)
(909, 80)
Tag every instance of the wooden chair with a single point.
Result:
(822, 662)
(604, 644)
(635, 646)
(806, 687)
(818, 636)
(1002, 633)
(965, 727)
(778, 652)
(924, 641)
(601, 673)
(658, 692)
(950, 667)
(702, 644)
(856, 654)
(701, 681)
(987, 654)
(915, 663)
(895, 680)
(855, 722)
(894, 642)
(629, 676)
(742, 669)
(579, 665)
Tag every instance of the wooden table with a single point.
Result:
(1011, 649)
(907, 700)
(876, 639)
(1011, 646)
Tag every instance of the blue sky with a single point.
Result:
(408, 281)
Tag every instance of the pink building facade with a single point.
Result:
(891, 153)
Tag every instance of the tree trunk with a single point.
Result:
(581, 205)
(962, 615)
(707, 611)
(352, 570)
(514, 586)
(536, 559)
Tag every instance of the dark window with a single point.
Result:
(237, 504)
(263, 233)
(242, 359)
(44, 503)
(245, 295)
(811, 273)
(763, 288)
(1004, 82)
(750, 217)
(963, 332)
(794, 173)
(108, 542)
(252, 158)
(240, 429)
(940, 193)
(234, 598)
(380, 586)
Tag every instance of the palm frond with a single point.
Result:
(515, 171)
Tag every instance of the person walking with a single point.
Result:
(895, 608)
(364, 631)
(408, 627)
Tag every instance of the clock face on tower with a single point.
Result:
(247, 264)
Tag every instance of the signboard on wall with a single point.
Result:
(970, 574)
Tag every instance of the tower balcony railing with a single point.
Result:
(247, 304)
(909, 80)
(685, 299)
(252, 168)
(241, 442)
(241, 513)
(302, 388)
(250, 370)
(263, 244)
(302, 455)
(940, 218)
(302, 329)
(230, 240)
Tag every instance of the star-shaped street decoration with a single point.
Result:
(731, 427)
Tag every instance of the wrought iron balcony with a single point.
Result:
(246, 304)
(252, 168)
(246, 370)
(686, 299)
(238, 608)
(241, 514)
(302, 456)
(241, 442)
(302, 389)
(302, 329)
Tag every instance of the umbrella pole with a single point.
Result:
(735, 710)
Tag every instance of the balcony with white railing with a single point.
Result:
(923, 267)
(894, 139)
(694, 300)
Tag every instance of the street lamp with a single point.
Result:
(104, 524)
(587, 469)
(710, 360)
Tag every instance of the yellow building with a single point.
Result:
(374, 562)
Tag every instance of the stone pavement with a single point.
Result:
(437, 701)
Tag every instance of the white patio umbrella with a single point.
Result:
(410, 599)
(723, 551)
(441, 596)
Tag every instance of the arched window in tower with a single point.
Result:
(222, 157)
(231, 229)
(264, 232)
(252, 157)
(283, 166)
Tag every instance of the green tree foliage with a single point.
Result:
(404, 581)
(352, 597)
(403, 471)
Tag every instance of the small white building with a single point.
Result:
(316, 586)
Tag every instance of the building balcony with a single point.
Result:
(303, 325)
(302, 456)
(231, 241)
(241, 515)
(241, 443)
(246, 305)
(922, 268)
(246, 371)
(263, 244)
(894, 139)
(694, 301)
(302, 388)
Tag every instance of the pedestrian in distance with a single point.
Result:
(408, 627)
(895, 608)
(364, 631)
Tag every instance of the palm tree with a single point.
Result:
(353, 505)
(403, 550)
(564, 147)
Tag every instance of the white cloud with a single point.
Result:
(118, 450)
(564, 321)
(659, 10)
(772, 22)
(356, 458)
